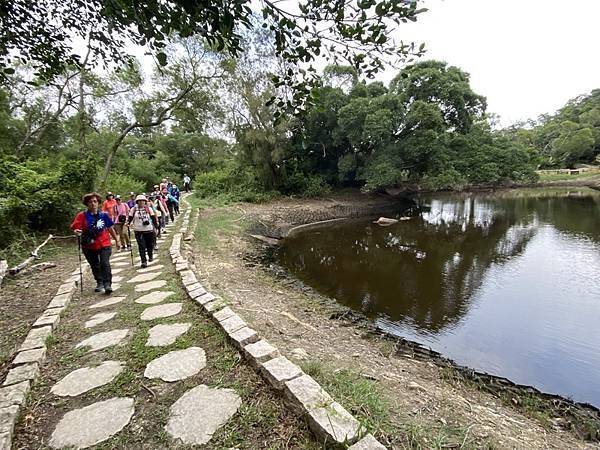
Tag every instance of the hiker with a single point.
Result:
(131, 201)
(109, 205)
(186, 182)
(162, 213)
(170, 204)
(176, 193)
(121, 213)
(142, 218)
(154, 204)
(95, 228)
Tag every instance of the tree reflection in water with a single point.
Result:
(424, 272)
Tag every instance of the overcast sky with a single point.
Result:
(528, 57)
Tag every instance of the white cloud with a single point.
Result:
(528, 57)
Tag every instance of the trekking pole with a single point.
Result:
(130, 246)
(80, 268)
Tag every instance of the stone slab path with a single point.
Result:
(177, 365)
(103, 340)
(150, 285)
(82, 380)
(99, 318)
(160, 335)
(200, 412)
(133, 364)
(160, 311)
(144, 277)
(92, 424)
(154, 297)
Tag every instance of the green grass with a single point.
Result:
(590, 176)
(364, 398)
(219, 223)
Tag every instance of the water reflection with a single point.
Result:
(460, 257)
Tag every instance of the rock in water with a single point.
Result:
(385, 221)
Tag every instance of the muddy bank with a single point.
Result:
(426, 393)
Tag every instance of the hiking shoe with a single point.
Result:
(150, 259)
(107, 288)
(99, 287)
(144, 265)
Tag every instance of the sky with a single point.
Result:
(528, 57)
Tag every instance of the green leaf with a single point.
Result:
(162, 58)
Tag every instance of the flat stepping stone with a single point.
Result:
(117, 279)
(150, 285)
(99, 318)
(153, 298)
(103, 340)
(116, 271)
(159, 311)
(123, 263)
(144, 277)
(200, 412)
(148, 263)
(166, 334)
(83, 380)
(151, 268)
(84, 427)
(107, 302)
(177, 365)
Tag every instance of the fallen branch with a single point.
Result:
(40, 266)
(34, 255)
(3, 269)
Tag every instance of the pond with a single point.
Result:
(507, 283)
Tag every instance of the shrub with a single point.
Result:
(120, 183)
(448, 179)
(315, 186)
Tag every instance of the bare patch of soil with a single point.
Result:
(420, 392)
(25, 296)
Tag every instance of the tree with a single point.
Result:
(445, 86)
(357, 31)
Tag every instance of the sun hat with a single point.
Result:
(87, 197)
(117, 197)
(141, 197)
(108, 194)
(132, 194)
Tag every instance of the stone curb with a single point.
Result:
(26, 365)
(327, 419)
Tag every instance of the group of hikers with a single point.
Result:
(146, 214)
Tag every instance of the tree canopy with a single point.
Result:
(44, 33)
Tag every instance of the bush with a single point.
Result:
(119, 183)
(448, 179)
(42, 195)
(231, 185)
(315, 186)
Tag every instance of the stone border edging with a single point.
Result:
(26, 365)
(329, 420)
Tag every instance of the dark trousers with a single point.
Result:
(171, 206)
(99, 261)
(187, 187)
(145, 241)
(176, 206)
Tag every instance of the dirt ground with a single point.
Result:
(299, 322)
(25, 296)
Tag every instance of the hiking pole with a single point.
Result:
(80, 269)
(130, 246)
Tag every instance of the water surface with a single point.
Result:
(506, 283)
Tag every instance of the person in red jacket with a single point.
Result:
(95, 228)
